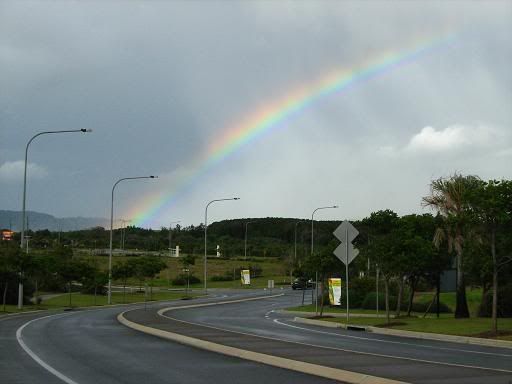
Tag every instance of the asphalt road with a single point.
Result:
(92, 347)
(410, 360)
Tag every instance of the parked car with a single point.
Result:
(302, 283)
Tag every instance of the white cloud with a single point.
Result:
(13, 171)
(450, 138)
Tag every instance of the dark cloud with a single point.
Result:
(159, 81)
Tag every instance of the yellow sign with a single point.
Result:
(245, 277)
(335, 291)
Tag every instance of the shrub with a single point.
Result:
(370, 301)
(504, 302)
(182, 280)
(358, 288)
(422, 307)
(221, 278)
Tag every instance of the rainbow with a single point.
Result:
(273, 115)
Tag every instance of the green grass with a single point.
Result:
(272, 269)
(14, 309)
(328, 309)
(83, 300)
(446, 324)
(473, 296)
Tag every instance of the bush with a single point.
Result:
(221, 278)
(370, 301)
(182, 280)
(422, 307)
(358, 288)
(504, 302)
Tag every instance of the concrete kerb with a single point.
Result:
(332, 314)
(411, 334)
(280, 362)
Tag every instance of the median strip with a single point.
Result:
(276, 361)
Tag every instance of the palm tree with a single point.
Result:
(449, 196)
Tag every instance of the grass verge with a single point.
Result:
(446, 324)
(84, 300)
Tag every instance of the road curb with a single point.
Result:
(411, 334)
(280, 362)
(332, 314)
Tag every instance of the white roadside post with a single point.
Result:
(346, 252)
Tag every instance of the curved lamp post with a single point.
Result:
(245, 242)
(23, 212)
(206, 230)
(312, 247)
(109, 299)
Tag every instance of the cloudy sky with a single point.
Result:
(160, 81)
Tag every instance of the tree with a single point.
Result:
(450, 197)
(492, 205)
(383, 247)
(123, 271)
(325, 263)
(8, 275)
(415, 255)
(147, 267)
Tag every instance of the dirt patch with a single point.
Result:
(491, 335)
(321, 317)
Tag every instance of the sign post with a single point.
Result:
(345, 252)
(270, 285)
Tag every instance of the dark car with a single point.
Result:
(302, 283)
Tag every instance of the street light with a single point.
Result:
(109, 300)
(170, 251)
(245, 243)
(83, 130)
(170, 235)
(206, 230)
(123, 232)
(312, 246)
(295, 242)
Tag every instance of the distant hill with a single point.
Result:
(38, 221)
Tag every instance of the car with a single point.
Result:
(302, 283)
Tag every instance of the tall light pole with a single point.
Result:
(170, 235)
(295, 242)
(123, 231)
(109, 300)
(206, 230)
(312, 248)
(170, 252)
(23, 214)
(245, 242)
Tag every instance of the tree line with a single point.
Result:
(468, 229)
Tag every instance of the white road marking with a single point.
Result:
(337, 349)
(393, 342)
(36, 358)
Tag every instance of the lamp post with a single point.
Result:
(23, 211)
(312, 248)
(109, 299)
(170, 251)
(123, 232)
(206, 230)
(170, 235)
(295, 242)
(245, 242)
